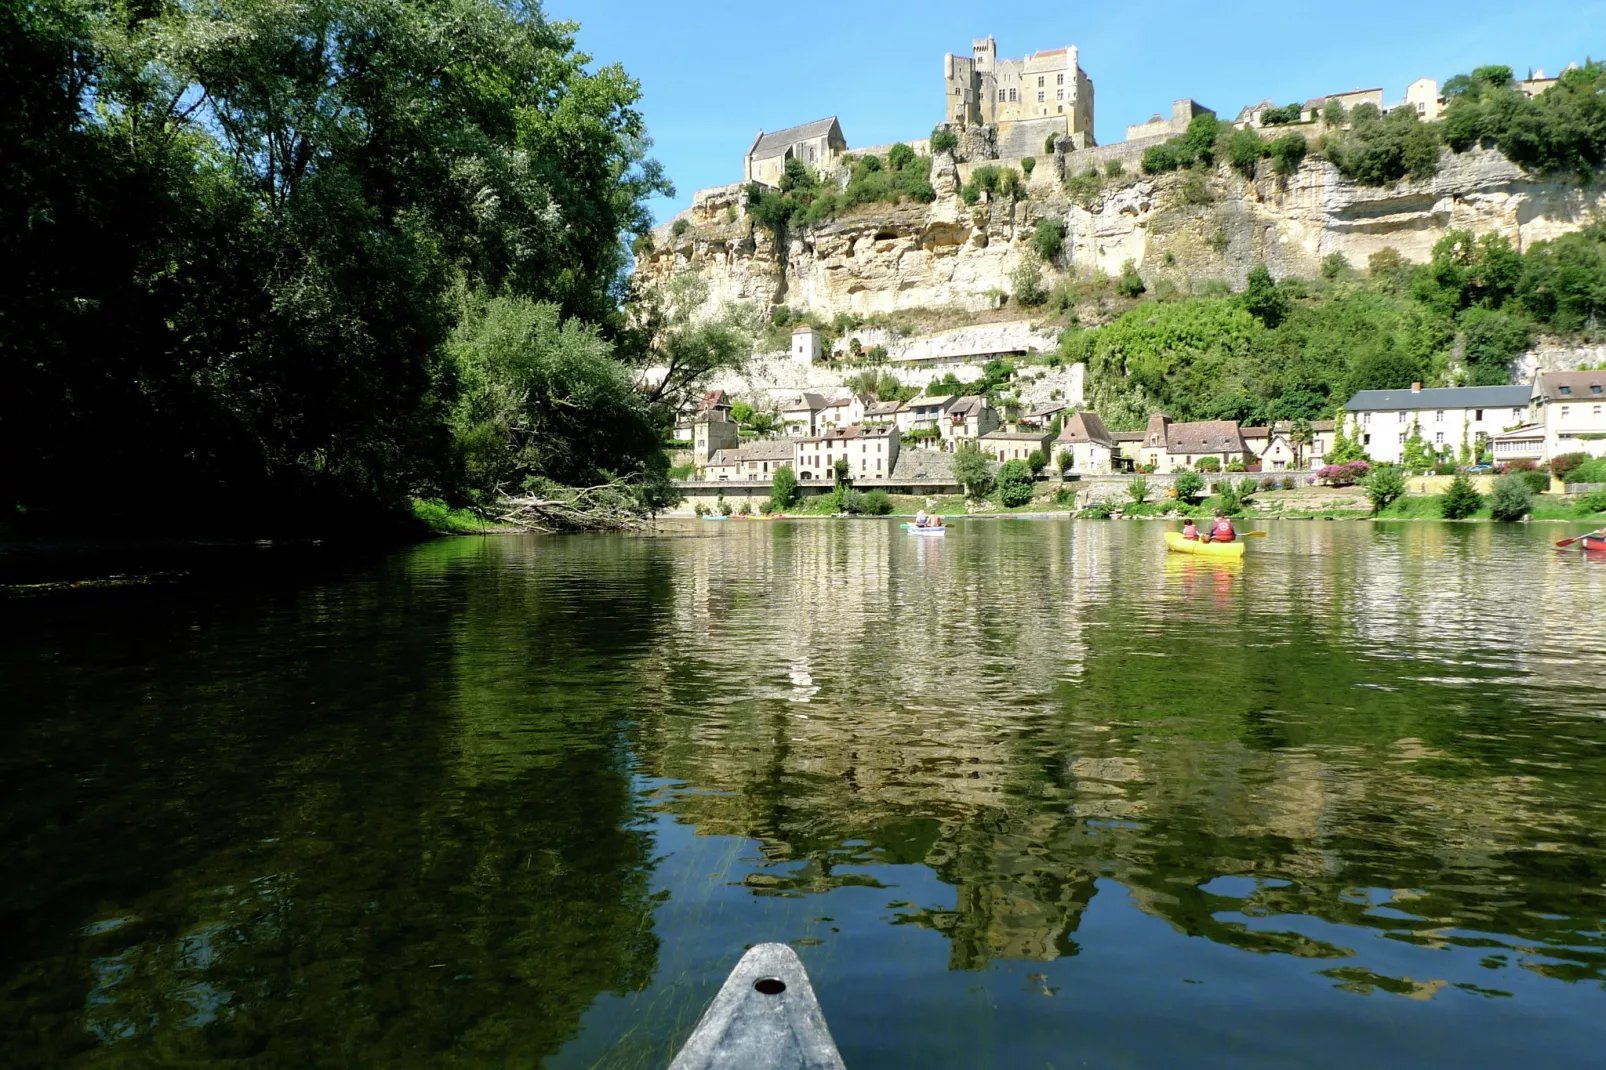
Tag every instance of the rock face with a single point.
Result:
(1181, 228)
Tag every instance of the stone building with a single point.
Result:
(1571, 407)
(817, 144)
(1044, 94)
(713, 430)
(1093, 450)
(871, 453)
(1182, 113)
(805, 346)
(966, 420)
(1004, 446)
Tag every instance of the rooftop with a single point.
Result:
(768, 450)
(812, 402)
(936, 400)
(1089, 427)
(967, 406)
(841, 434)
(778, 142)
(1016, 436)
(1205, 436)
(1440, 397)
(1553, 386)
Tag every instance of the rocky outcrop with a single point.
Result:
(1180, 228)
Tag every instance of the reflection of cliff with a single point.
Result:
(1059, 708)
(348, 842)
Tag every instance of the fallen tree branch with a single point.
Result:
(605, 507)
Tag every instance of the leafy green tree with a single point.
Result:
(1512, 498)
(1380, 149)
(1243, 149)
(1490, 341)
(900, 156)
(1287, 152)
(1290, 113)
(1263, 300)
(943, 139)
(1066, 460)
(1130, 284)
(1189, 486)
(1014, 483)
(1384, 486)
(1415, 456)
(1137, 489)
(1334, 265)
(783, 489)
(1026, 282)
(1333, 113)
(973, 469)
(1563, 281)
(1037, 462)
(1048, 239)
(1461, 499)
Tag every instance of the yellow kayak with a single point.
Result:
(1178, 545)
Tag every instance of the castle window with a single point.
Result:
(1059, 79)
(1012, 96)
(1039, 81)
(1059, 94)
(1001, 96)
(1039, 96)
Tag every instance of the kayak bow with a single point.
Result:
(765, 1017)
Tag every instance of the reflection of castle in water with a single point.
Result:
(1050, 712)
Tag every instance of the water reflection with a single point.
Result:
(1027, 790)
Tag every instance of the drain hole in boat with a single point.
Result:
(770, 986)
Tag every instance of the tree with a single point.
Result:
(1026, 282)
(1027, 166)
(1037, 462)
(1300, 436)
(1461, 499)
(1188, 485)
(943, 139)
(1333, 113)
(1263, 300)
(1014, 483)
(1130, 284)
(973, 470)
(1138, 490)
(1512, 498)
(783, 489)
(1243, 150)
(1067, 461)
(1384, 485)
(842, 471)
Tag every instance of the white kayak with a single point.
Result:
(765, 1017)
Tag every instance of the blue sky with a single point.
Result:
(714, 73)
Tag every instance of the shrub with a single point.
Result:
(1513, 497)
(723, 506)
(1027, 166)
(1461, 500)
(1247, 488)
(1084, 188)
(744, 509)
(1096, 511)
(1048, 144)
(1188, 487)
(783, 489)
(1130, 284)
(1243, 150)
(1138, 490)
(1384, 486)
(1026, 283)
(1334, 265)
(1067, 461)
(973, 470)
(1237, 465)
(1048, 238)
(1380, 149)
(1207, 464)
(1268, 483)
(1014, 483)
(700, 509)
(850, 501)
(1114, 169)
(1287, 152)
(1158, 159)
(1537, 482)
(943, 140)
(1565, 464)
(1591, 471)
(680, 227)
(900, 156)
(1289, 113)
(1343, 475)
(1593, 502)
(1194, 190)
(1289, 482)
(878, 503)
(1037, 462)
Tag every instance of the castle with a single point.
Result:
(1046, 94)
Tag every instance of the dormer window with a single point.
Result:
(1566, 390)
(1594, 388)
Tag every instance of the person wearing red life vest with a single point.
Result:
(1221, 530)
(1190, 530)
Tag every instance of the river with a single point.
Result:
(1033, 794)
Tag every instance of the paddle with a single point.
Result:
(1254, 534)
(1575, 538)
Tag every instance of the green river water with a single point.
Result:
(1030, 795)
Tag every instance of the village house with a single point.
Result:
(1092, 448)
(883, 413)
(713, 430)
(1280, 447)
(798, 413)
(925, 414)
(1446, 417)
(839, 412)
(1168, 446)
(755, 461)
(805, 345)
(966, 420)
(1042, 415)
(1004, 446)
(871, 452)
(817, 144)
(1571, 407)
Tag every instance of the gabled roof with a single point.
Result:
(1578, 384)
(841, 434)
(1204, 436)
(883, 408)
(1048, 408)
(1016, 436)
(768, 450)
(812, 402)
(1440, 397)
(1089, 427)
(712, 398)
(1124, 436)
(775, 144)
(968, 406)
(938, 401)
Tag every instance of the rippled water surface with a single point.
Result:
(1034, 794)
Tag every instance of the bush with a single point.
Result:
(1067, 461)
(1537, 482)
(1591, 471)
(1334, 265)
(1188, 486)
(1096, 511)
(1461, 500)
(1138, 490)
(1268, 483)
(1287, 152)
(1593, 502)
(900, 156)
(1566, 463)
(943, 140)
(1243, 150)
(878, 503)
(1027, 166)
(1207, 464)
(1114, 169)
(1512, 498)
(744, 509)
(1048, 238)
(1289, 113)
(679, 227)
(1380, 149)
(1158, 159)
(1065, 496)
(1037, 462)
(1247, 488)
(1289, 482)
(1026, 283)
(1084, 188)
(783, 489)
(1014, 483)
(723, 506)
(1048, 145)
(1130, 284)
(1384, 486)
(1343, 475)
(973, 470)
(1237, 465)
(700, 509)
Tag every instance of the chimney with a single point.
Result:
(1416, 388)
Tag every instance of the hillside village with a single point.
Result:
(924, 288)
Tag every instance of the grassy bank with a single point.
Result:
(443, 519)
(1430, 507)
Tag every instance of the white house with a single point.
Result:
(1382, 420)
(839, 412)
(798, 413)
(805, 345)
(966, 420)
(923, 414)
(1571, 407)
(870, 451)
(1004, 446)
(758, 460)
(1091, 445)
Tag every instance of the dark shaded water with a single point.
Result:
(1034, 794)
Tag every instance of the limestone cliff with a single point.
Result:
(893, 258)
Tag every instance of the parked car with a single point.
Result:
(1480, 468)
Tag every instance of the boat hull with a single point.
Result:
(1592, 543)
(927, 531)
(1178, 545)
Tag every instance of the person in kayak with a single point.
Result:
(1221, 530)
(920, 519)
(1190, 530)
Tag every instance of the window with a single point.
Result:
(1039, 96)
(1438, 417)
(1059, 79)
(1594, 388)
(1438, 438)
(1039, 81)
(1399, 417)
(1564, 409)
(1402, 438)
(1595, 412)
(1059, 94)
(1012, 96)
(1477, 414)
(1516, 414)
(1001, 95)
(1366, 419)
(1566, 390)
